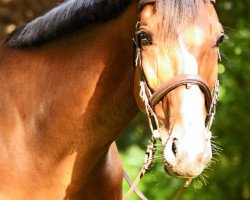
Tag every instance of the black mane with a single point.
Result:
(69, 16)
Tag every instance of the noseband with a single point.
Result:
(151, 98)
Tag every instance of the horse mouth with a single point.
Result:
(169, 170)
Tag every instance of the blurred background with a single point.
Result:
(228, 176)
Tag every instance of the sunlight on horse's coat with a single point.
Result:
(194, 36)
(189, 64)
(68, 88)
(67, 167)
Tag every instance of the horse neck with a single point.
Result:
(105, 62)
(81, 85)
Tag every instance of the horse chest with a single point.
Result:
(48, 142)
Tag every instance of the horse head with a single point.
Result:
(176, 57)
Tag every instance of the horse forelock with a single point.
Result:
(67, 17)
(174, 16)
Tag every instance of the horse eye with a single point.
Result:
(145, 39)
(212, 2)
(220, 40)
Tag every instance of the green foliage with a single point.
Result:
(229, 177)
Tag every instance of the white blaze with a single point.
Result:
(190, 129)
(190, 65)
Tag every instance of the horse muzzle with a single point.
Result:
(188, 156)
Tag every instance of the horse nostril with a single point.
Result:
(174, 146)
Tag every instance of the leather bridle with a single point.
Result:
(151, 98)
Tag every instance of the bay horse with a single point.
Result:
(67, 90)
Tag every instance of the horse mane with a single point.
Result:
(67, 17)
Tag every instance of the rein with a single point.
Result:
(150, 99)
